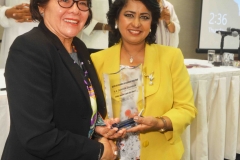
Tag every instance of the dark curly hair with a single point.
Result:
(117, 6)
(36, 15)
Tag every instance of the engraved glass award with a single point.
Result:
(124, 92)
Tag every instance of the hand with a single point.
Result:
(20, 13)
(146, 124)
(109, 133)
(165, 15)
(110, 149)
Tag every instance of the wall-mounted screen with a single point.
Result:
(218, 15)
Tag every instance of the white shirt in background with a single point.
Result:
(12, 29)
(163, 36)
(96, 39)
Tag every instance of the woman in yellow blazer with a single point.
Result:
(168, 93)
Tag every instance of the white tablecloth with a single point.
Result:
(4, 113)
(214, 134)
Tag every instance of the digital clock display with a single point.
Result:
(218, 18)
(219, 15)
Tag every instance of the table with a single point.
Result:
(4, 113)
(215, 132)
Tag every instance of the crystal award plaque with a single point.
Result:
(124, 90)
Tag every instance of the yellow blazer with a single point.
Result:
(170, 95)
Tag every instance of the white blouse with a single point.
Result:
(12, 29)
(163, 36)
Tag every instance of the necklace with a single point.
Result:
(131, 56)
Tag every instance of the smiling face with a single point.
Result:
(63, 22)
(134, 22)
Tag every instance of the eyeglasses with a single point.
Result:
(81, 4)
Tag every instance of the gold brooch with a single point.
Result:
(150, 77)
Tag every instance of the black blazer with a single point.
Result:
(49, 103)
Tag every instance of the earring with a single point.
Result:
(42, 14)
(116, 26)
(150, 30)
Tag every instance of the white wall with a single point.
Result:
(1, 31)
(188, 12)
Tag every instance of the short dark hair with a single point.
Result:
(117, 6)
(36, 15)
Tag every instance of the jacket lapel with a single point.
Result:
(84, 56)
(111, 65)
(68, 61)
(113, 55)
(151, 67)
(75, 71)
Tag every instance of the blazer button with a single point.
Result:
(145, 143)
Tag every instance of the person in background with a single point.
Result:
(168, 25)
(168, 94)
(95, 36)
(55, 99)
(16, 19)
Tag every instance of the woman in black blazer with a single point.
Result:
(54, 97)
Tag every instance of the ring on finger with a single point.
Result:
(115, 153)
(27, 19)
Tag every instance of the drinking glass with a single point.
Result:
(217, 60)
(211, 54)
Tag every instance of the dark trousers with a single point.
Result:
(237, 157)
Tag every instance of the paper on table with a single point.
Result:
(197, 63)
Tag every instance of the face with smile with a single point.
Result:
(134, 22)
(64, 22)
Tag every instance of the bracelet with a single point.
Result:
(164, 129)
(169, 24)
(103, 28)
(101, 151)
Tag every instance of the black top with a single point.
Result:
(49, 103)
